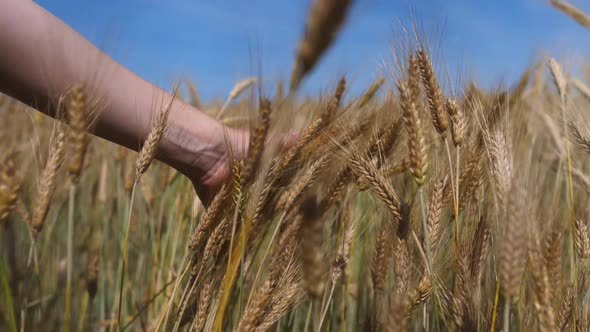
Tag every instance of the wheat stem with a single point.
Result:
(83, 310)
(125, 245)
(308, 317)
(425, 230)
(507, 314)
(495, 308)
(165, 315)
(70, 251)
(326, 306)
(274, 234)
(455, 194)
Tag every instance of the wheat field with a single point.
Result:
(415, 206)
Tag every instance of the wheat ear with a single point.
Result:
(150, 146)
(323, 23)
(577, 14)
(47, 180)
(78, 122)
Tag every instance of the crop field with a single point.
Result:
(417, 205)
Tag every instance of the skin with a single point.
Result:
(42, 58)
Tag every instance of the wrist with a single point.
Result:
(188, 138)
(199, 146)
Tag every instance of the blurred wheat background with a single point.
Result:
(417, 204)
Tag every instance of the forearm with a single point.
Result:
(42, 58)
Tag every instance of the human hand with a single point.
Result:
(205, 154)
(202, 149)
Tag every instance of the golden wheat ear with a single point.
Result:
(194, 93)
(235, 93)
(150, 146)
(416, 142)
(566, 309)
(582, 239)
(10, 184)
(457, 121)
(371, 92)
(311, 248)
(434, 93)
(256, 144)
(580, 136)
(324, 21)
(513, 251)
(77, 112)
(434, 212)
(551, 248)
(575, 13)
(46, 185)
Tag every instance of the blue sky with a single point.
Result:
(217, 42)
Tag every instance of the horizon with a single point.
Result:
(216, 44)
